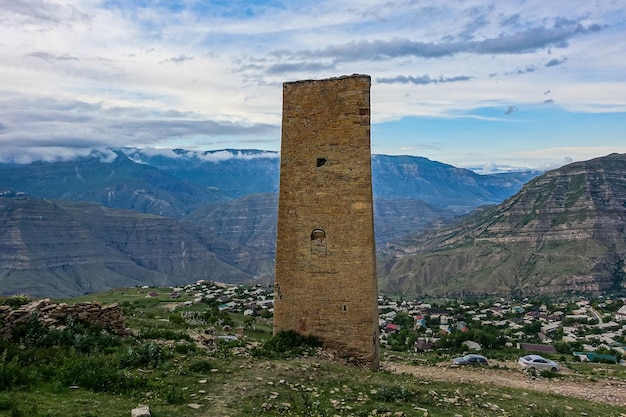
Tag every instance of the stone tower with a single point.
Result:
(325, 280)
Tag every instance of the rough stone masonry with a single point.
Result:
(325, 279)
(55, 315)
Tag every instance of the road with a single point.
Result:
(610, 391)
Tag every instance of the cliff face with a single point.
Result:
(222, 210)
(563, 232)
(64, 249)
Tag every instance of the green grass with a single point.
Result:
(86, 373)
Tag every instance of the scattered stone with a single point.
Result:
(195, 406)
(140, 411)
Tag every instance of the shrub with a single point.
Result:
(146, 354)
(185, 348)
(12, 372)
(30, 333)
(287, 343)
(167, 334)
(549, 374)
(172, 395)
(15, 301)
(176, 318)
(201, 366)
(97, 373)
(394, 393)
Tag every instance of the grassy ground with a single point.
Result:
(89, 374)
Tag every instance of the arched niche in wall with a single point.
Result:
(318, 242)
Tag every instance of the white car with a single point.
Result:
(537, 362)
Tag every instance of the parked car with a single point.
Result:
(537, 362)
(471, 359)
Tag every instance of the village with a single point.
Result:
(591, 330)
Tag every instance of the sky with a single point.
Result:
(481, 84)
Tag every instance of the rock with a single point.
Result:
(141, 411)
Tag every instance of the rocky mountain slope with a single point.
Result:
(58, 248)
(221, 205)
(176, 183)
(563, 232)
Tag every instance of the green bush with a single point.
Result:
(82, 336)
(172, 395)
(286, 344)
(176, 318)
(12, 372)
(394, 393)
(546, 373)
(6, 403)
(201, 366)
(98, 373)
(185, 348)
(30, 333)
(162, 333)
(15, 301)
(146, 354)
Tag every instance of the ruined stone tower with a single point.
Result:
(325, 280)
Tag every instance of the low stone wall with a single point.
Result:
(53, 315)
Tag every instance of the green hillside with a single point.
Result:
(562, 233)
(179, 362)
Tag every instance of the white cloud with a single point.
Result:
(86, 74)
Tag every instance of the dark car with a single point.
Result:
(471, 359)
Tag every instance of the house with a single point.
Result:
(620, 315)
(462, 326)
(471, 345)
(551, 327)
(420, 321)
(422, 345)
(533, 347)
(595, 357)
(391, 328)
(543, 338)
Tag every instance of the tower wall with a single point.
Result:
(325, 280)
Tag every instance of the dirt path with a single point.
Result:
(598, 390)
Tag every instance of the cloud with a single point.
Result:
(178, 59)
(510, 110)
(555, 62)
(208, 75)
(143, 155)
(423, 80)
(40, 12)
(524, 41)
(528, 69)
(226, 155)
(311, 67)
(37, 128)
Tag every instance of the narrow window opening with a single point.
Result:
(321, 162)
(344, 308)
(318, 242)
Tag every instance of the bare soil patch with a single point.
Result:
(609, 391)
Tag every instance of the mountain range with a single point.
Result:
(129, 216)
(563, 232)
